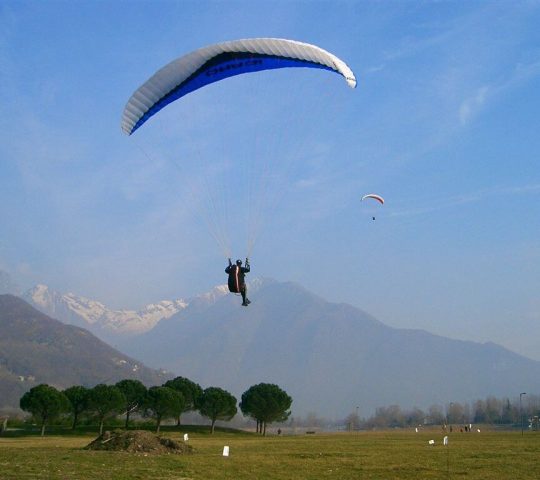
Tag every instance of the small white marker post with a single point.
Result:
(226, 451)
(445, 443)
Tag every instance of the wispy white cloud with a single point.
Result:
(374, 69)
(472, 105)
(486, 94)
(455, 75)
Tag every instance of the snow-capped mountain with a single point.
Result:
(104, 322)
(93, 315)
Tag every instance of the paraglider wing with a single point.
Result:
(375, 197)
(217, 62)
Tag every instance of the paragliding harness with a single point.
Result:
(236, 274)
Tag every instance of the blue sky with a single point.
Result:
(444, 124)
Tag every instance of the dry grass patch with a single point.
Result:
(397, 455)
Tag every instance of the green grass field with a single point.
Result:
(371, 455)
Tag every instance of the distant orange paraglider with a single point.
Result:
(374, 196)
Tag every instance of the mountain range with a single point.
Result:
(108, 324)
(95, 316)
(329, 357)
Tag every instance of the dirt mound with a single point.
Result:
(137, 441)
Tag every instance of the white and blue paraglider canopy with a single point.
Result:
(219, 61)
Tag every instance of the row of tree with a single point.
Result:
(492, 410)
(264, 403)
